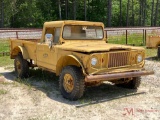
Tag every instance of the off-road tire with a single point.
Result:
(24, 67)
(78, 83)
(133, 84)
(158, 52)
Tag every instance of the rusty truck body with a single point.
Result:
(77, 52)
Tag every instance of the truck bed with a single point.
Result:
(28, 46)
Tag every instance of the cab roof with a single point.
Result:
(70, 22)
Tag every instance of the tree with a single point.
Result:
(140, 12)
(120, 16)
(109, 12)
(127, 17)
(66, 8)
(2, 14)
(144, 12)
(85, 10)
(152, 13)
(59, 6)
(74, 9)
(33, 13)
(132, 13)
(156, 13)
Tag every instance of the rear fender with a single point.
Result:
(20, 49)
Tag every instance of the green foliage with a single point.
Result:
(33, 13)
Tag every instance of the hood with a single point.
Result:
(95, 46)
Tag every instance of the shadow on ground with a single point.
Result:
(154, 58)
(48, 83)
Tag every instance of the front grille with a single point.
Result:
(118, 59)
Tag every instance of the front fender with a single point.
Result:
(68, 60)
(83, 69)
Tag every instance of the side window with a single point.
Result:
(49, 34)
(56, 35)
(67, 31)
(48, 38)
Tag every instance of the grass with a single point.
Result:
(2, 92)
(151, 52)
(5, 61)
(4, 45)
(135, 39)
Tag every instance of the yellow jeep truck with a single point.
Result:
(77, 52)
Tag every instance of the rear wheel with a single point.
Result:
(158, 52)
(132, 84)
(21, 67)
(71, 83)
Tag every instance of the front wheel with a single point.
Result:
(71, 83)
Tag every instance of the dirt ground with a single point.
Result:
(38, 98)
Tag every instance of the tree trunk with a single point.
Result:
(74, 9)
(109, 12)
(66, 8)
(132, 13)
(144, 12)
(152, 13)
(140, 13)
(85, 10)
(127, 18)
(88, 10)
(59, 6)
(120, 16)
(156, 13)
(2, 14)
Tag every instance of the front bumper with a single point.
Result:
(114, 76)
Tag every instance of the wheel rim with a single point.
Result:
(18, 67)
(68, 83)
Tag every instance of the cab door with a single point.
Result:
(46, 52)
(45, 56)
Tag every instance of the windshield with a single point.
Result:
(80, 32)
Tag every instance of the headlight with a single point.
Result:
(139, 58)
(94, 61)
